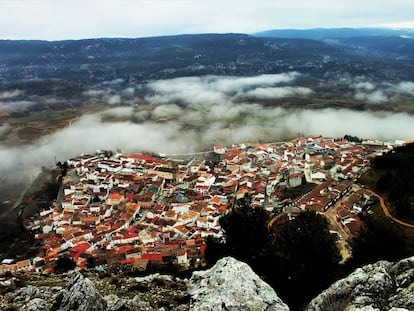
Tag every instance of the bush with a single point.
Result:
(64, 264)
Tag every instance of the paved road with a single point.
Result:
(387, 211)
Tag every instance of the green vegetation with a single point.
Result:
(289, 258)
(42, 116)
(64, 264)
(392, 175)
(14, 239)
(304, 252)
(379, 239)
(296, 192)
(299, 258)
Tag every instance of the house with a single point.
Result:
(171, 214)
(115, 199)
(164, 172)
(295, 179)
(181, 231)
(24, 265)
(137, 209)
(219, 149)
(148, 237)
(182, 258)
(318, 175)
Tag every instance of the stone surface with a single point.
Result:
(114, 303)
(231, 285)
(37, 304)
(379, 286)
(30, 298)
(82, 295)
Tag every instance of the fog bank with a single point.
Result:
(191, 114)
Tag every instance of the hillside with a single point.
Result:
(330, 33)
(371, 42)
(96, 60)
(391, 175)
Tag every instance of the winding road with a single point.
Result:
(272, 221)
(387, 211)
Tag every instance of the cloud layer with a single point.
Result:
(370, 91)
(192, 114)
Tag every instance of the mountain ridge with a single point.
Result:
(93, 61)
(340, 32)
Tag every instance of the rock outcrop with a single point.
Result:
(81, 295)
(228, 285)
(33, 298)
(231, 285)
(379, 286)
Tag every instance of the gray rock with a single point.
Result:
(114, 303)
(37, 304)
(155, 278)
(30, 298)
(81, 295)
(137, 304)
(231, 285)
(379, 286)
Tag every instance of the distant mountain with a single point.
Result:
(371, 42)
(142, 59)
(389, 47)
(336, 33)
(96, 60)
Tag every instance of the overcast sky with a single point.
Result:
(75, 19)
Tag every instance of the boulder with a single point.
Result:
(379, 286)
(231, 285)
(81, 295)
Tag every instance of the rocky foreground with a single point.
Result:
(380, 286)
(229, 285)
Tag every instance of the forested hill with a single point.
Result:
(95, 60)
(375, 42)
(392, 175)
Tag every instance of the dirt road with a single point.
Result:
(387, 211)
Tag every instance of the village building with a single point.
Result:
(136, 209)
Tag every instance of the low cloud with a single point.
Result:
(278, 92)
(94, 92)
(119, 112)
(114, 82)
(377, 96)
(406, 88)
(191, 114)
(235, 85)
(370, 91)
(219, 89)
(15, 106)
(128, 92)
(10, 94)
(365, 85)
(114, 100)
(4, 128)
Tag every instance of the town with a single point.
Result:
(135, 210)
